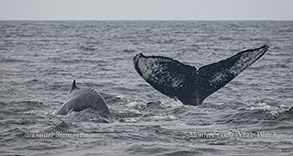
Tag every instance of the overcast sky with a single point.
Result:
(146, 9)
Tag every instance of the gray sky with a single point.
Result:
(146, 9)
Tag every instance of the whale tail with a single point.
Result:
(186, 83)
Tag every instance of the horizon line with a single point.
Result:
(146, 20)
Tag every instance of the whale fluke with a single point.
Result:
(185, 82)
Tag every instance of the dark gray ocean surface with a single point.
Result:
(252, 115)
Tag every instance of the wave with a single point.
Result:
(13, 60)
(260, 114)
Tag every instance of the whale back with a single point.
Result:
(81, 99)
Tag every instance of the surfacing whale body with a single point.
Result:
(185, 82)
(81, 99)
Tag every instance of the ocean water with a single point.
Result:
(252, 115)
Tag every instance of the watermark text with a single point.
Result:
(48, 135)
(230, 134)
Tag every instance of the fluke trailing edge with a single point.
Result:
(185, 82)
